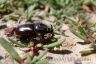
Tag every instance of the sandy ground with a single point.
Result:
(71, 45)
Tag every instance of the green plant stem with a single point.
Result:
(16, 42)
(43, 61)
(39, 57)
(59, 42)
(87, 52)
(10, 49)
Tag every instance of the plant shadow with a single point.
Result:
(61, 52)
(1, 57)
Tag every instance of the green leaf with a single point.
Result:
(37, 59)
(29, 12)
(29, 58)
(93, 2)
(80, 32)
(43, 61)
(87, 52)
(17, 43)
(57, 43)
(87, 1)
(9, 49)
(71, 23)
(2, 1)
(29, 2)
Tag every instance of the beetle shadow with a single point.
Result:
(82, 43)
(3, 26)
(1, 57)
(60, 52)
(25, 41)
